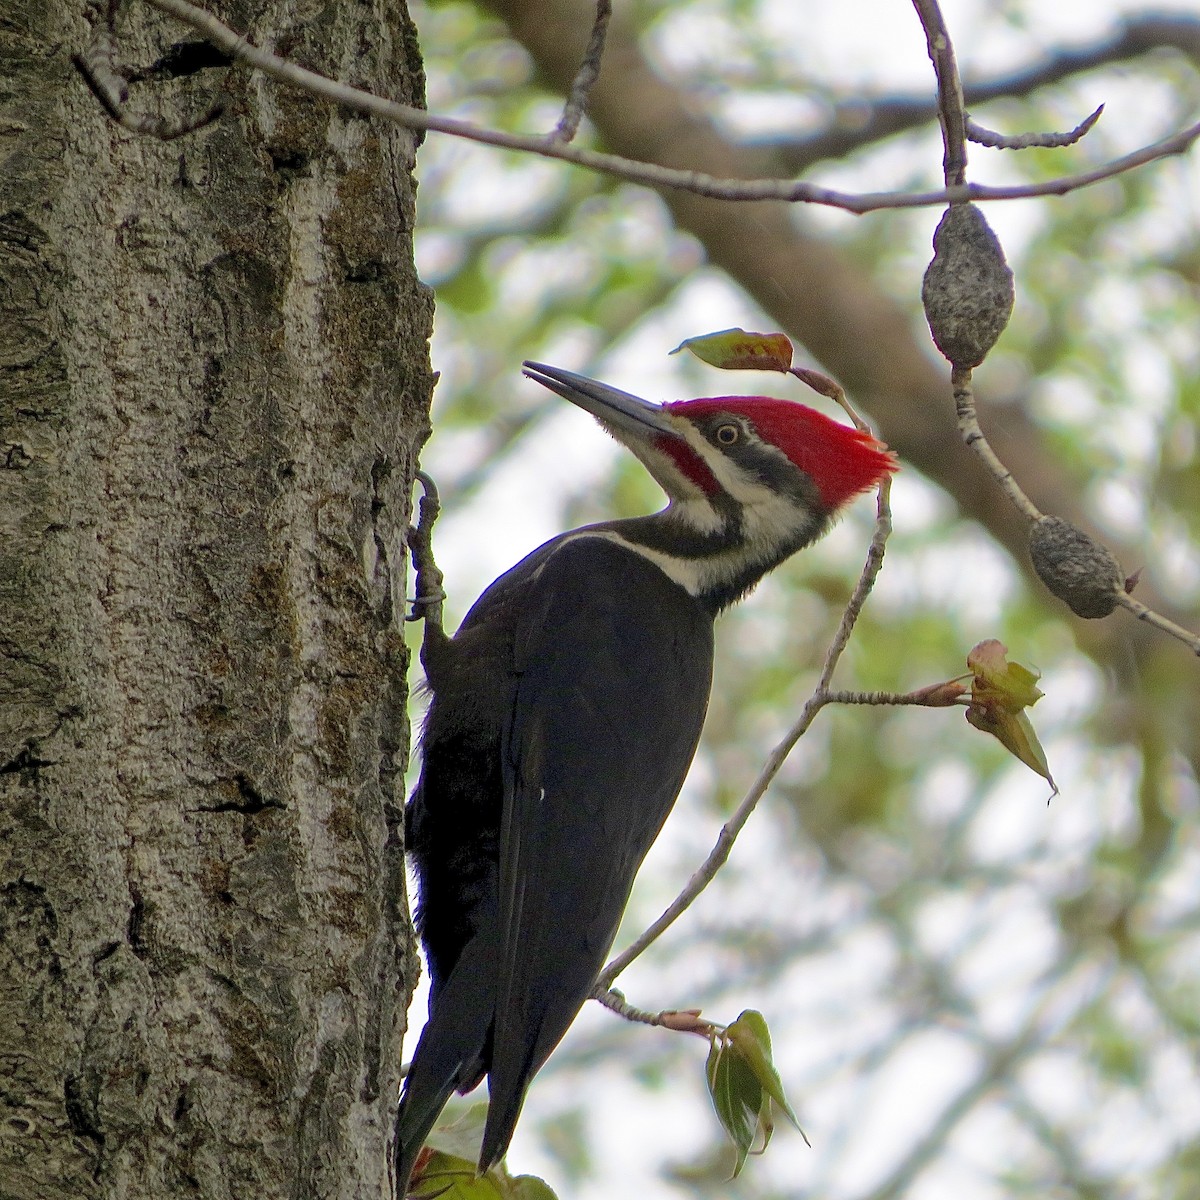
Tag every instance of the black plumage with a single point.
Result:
(533, 870)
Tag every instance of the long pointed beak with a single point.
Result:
(616, 409)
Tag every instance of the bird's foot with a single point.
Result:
(427, 604)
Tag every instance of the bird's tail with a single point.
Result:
(502, 1115)
(450, 1056)
(516, 1055)
(425, 1095)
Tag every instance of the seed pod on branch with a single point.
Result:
(1075, 567)
(968, 287)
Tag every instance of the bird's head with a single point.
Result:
(751, 479)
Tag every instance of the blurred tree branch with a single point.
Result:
(863, 121)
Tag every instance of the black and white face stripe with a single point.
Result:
(737, 443)
(717, 544)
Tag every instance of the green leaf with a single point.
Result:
(529, 1187)
(750, 1035)
(1011, 682)
(1000, 693)
(450, 1171)
(737, 350)
(743, 1083)
(448, 1177)
(737, 1097)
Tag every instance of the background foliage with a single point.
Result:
(971, 993)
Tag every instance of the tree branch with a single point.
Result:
(589, 70)
(651, 175)
(886, 116)
(953, 120)
(974, 438)
(950, 108)
(1024, 141)
(1144, 613)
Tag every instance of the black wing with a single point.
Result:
(615, 665)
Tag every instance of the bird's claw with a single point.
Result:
(430, 596)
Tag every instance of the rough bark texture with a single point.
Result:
(213, 383)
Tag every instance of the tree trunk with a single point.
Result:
(214, 380)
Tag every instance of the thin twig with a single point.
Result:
(866, 581)
(916, 699)
(951, 110)
(957, 127)
(707, 871)
(98, 64)
(680, 1020)
(696, 182)
(585, 77)
(973, 436)
(1148, 615)
(831, 390)
(1023, 141)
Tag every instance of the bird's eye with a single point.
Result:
(728, 434)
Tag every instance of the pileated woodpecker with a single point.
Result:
(565, 714)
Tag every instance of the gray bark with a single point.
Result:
(214, 380)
